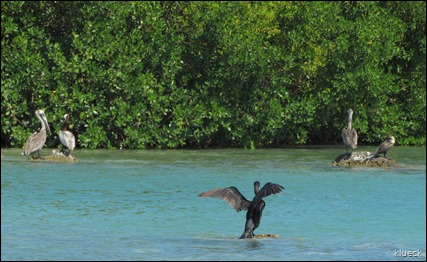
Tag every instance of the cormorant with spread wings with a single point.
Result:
(254, 208)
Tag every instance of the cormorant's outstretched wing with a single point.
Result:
(231, 195)
(266, 190)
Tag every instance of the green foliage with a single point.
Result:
(214, 74)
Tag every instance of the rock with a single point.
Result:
(364, 159)
(266, 236)
(56, 156)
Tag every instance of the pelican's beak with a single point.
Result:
(47, 125)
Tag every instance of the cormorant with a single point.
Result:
(254, 208)
(385, 146)
(349, 134)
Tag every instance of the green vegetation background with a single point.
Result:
(213, 74)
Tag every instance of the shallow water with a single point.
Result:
(143, 205)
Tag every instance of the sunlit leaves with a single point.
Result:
(206, 74)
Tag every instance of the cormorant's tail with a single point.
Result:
(249, 229)
(247, 234)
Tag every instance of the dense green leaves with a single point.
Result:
(214, 74)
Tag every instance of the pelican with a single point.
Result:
(254, 208)
(385, 146)
(66, 137)
(37, 140)
(349, 134)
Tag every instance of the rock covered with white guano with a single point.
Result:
(365, 159)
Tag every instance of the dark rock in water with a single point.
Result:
(56, 157)
(365, 159)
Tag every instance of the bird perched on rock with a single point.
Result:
(37, 140)
(349, 134)
(66, 137)
(385, 146)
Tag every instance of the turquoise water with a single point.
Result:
(143, 205)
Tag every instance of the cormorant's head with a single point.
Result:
(256, 187)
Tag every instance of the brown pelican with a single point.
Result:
(349, 134)
(37, 140)
(66, 137)
(254, 208)
(385, 146)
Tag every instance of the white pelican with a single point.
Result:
(66, 137)
(349, 134)
(37, 140)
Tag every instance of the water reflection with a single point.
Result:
(253, 244)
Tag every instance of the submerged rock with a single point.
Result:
(266, 236)
(56, 156)
(365, 159)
